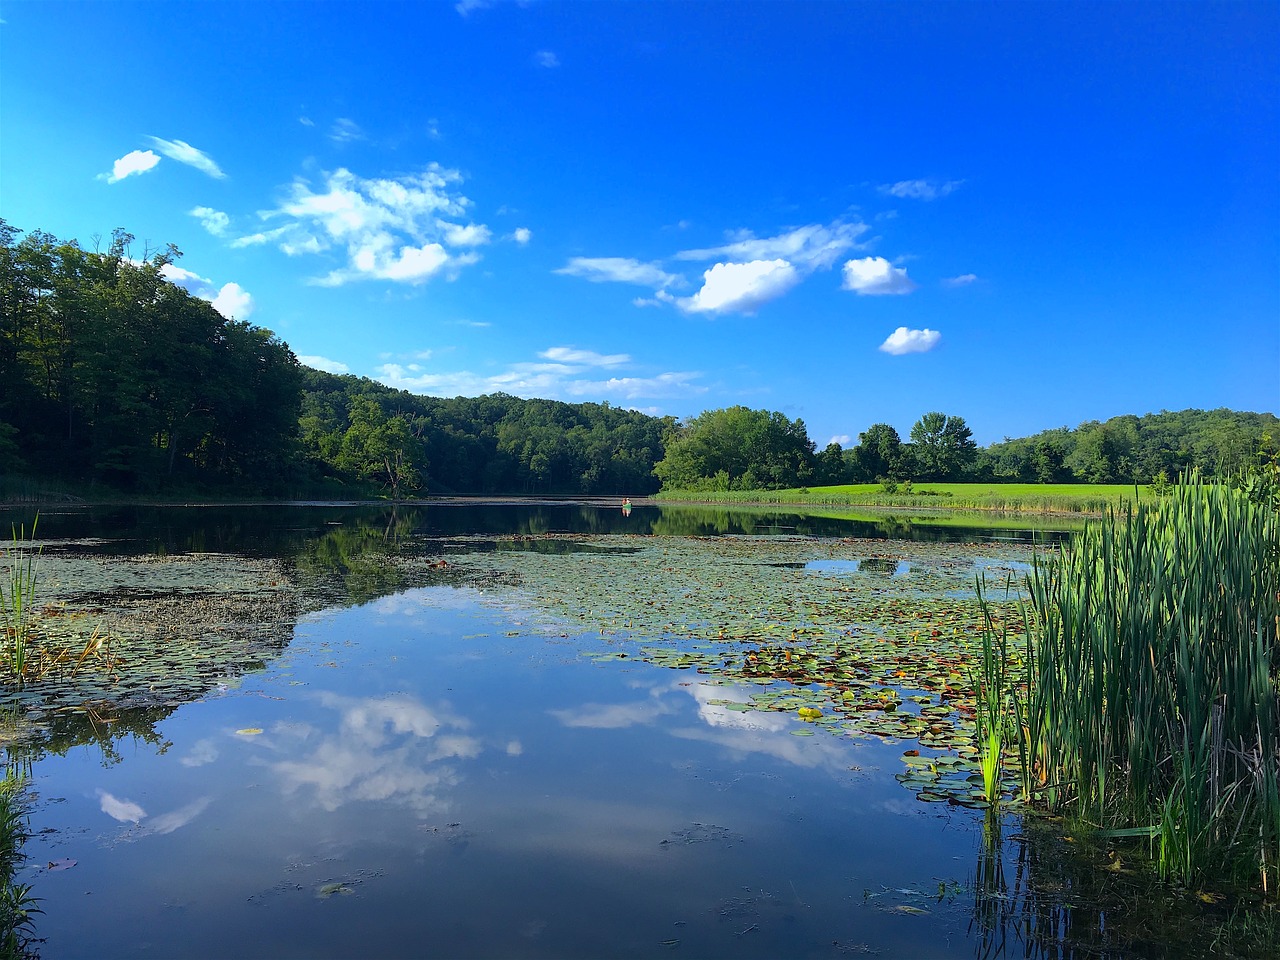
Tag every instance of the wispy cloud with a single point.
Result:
(325, 364)
(903, 341)
(620, 270)
(545, 58)
(184, 152)
(215, 221)
(136, 161)
(345, 130)
(961, 281)
(406, 230)
(231, 300)
(467, 7)
(874, 276)
(920, 189)
(561, 373)
(811, 247)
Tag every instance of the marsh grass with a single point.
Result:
(1152, 705)
(1063, 498)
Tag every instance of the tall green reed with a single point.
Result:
(1153, 694)
(18, 602)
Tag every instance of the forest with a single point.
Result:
(115, 380)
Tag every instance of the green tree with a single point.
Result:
(942, 446)
(879, 453)
(382, 448)
(737, 448)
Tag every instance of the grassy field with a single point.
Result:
(1012, 497)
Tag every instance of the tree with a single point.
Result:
(878, 455)
(737, 448)
(383, 449)
(943, 446)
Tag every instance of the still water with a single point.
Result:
(437, 770)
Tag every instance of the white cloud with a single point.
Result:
(389, 229)
(325, 364)
(345, 130)
(137, 161)
(464, 7)
(920, 189)
(472, 235)
(231, 300)
(841, 438)
(811, 247)
(961, 281)
(875, 276)
(740, 287)
(184, 152)
(215, 221)
(306, 121)
(620, 270)
(522, 235)
(903, 341)
(545, 58)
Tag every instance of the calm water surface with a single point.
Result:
(421, 772)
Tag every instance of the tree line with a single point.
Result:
(112, 376)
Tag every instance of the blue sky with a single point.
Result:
(1025, 214)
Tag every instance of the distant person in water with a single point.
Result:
(626, 506)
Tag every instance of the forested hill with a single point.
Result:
(115, 379)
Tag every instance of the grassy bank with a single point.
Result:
(1080, 498)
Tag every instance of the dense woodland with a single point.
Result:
(114, 379)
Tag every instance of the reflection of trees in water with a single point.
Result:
(1038, 895)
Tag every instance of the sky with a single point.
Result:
(1028, 215)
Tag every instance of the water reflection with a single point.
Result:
(384, 749)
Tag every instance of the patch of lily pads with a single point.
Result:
(853, 638)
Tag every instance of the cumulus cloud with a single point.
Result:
(136, 161)
(215, 221)
(811, 247)
(231, 300)
(872, 276)
(522, 235)
(740, 287)
(903, 341)
(750, 270)
(920, 189)
(404, 229)
(545, 58)
(961, 281)
(184, 152)
(620, 270)
(843, 439)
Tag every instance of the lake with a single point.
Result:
(514, 730)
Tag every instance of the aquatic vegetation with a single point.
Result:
(1153, 697)
(844, 635)
(17, 905)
